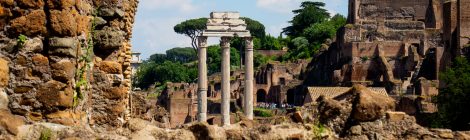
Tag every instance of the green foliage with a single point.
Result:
(261, 112)
(364, 58)
(453, 100)
(260, 60)
(191, 28)
(310, 30)
(318, 129)
(214, 60)
(46, 134)
(270, 43)
(86, 61)
(151, 73)
(183, 55)
(21, 41)
(310, 13)
(256, 28)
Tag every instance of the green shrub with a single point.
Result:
(260, 112)
(46, 134)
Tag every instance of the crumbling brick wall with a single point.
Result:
(67, 61)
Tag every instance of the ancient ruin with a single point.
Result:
(225, 25)
(66, 68)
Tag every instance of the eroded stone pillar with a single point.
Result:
(202, 80)
(225, 66)
(249, 76)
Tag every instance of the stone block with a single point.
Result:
(34, 116)
(4, 73)
(395, 116)
(31, 24)
(7, 2)
(61, 4)
(115, 92)
(356, 130)
(68, 117)
(33, 45)
(63, 71)
(111, 67)
(225, 15)
(35, 4)
(298, 117)
(462, 135)
(106, 12)
(63, 46)
(226, 28)
(225, 22)
(40, 60)
(109, 38)
(10, 122)
(3, 99)
(443, 133)
(63, 23)
(55, 94)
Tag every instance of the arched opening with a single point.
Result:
(261, 96)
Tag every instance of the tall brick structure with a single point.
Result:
(67, 61)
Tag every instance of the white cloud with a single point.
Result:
(181, 5)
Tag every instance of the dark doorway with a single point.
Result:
(261, 96)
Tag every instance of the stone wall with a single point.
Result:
(67, 61)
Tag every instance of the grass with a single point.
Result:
(261, 112)
(46, 134)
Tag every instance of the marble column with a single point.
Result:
(249, 78)
(225, 66)
(202, 80)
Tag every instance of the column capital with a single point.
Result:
(225, 41)
(249, 43)
(202, 41)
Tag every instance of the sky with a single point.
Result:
(155, 19)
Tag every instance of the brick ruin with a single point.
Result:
(275, 83)
(401, 45)
(67, 61)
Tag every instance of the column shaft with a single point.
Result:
(202, 80)
(249, 78)
(225, 66)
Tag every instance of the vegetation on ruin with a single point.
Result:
(453, 99)
(261, 112)
(85, 63)
(46, 134)
(21, 41)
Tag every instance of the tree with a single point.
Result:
(453, 100)
(256, 28)
(215, 59)
(270, 43)
(182, 55)
(192, 28)
(310, 13)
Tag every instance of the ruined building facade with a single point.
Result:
(66, 61)
(402, 45)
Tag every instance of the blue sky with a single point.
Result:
(153, 29)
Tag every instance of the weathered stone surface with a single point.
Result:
(33, 45)
(4, 73)
(63, 23)
(63, 71)
(34, 116)
(444, 133)
(7, 2)
(100, 21)
(356, 130)
(395, 116)
(111, 67)
(136, 124)
(3, 99)
(370, 106)
(67, 117)
(63, 46)
(83, 24)
(55, 94)
(40, 60)
(106, 12)
(462, 135)
(32, 24)
(10, 122)
(61, 4)
(36, 4)
(22, 89)
(115, 92)
(298, 117)
(109, 38)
